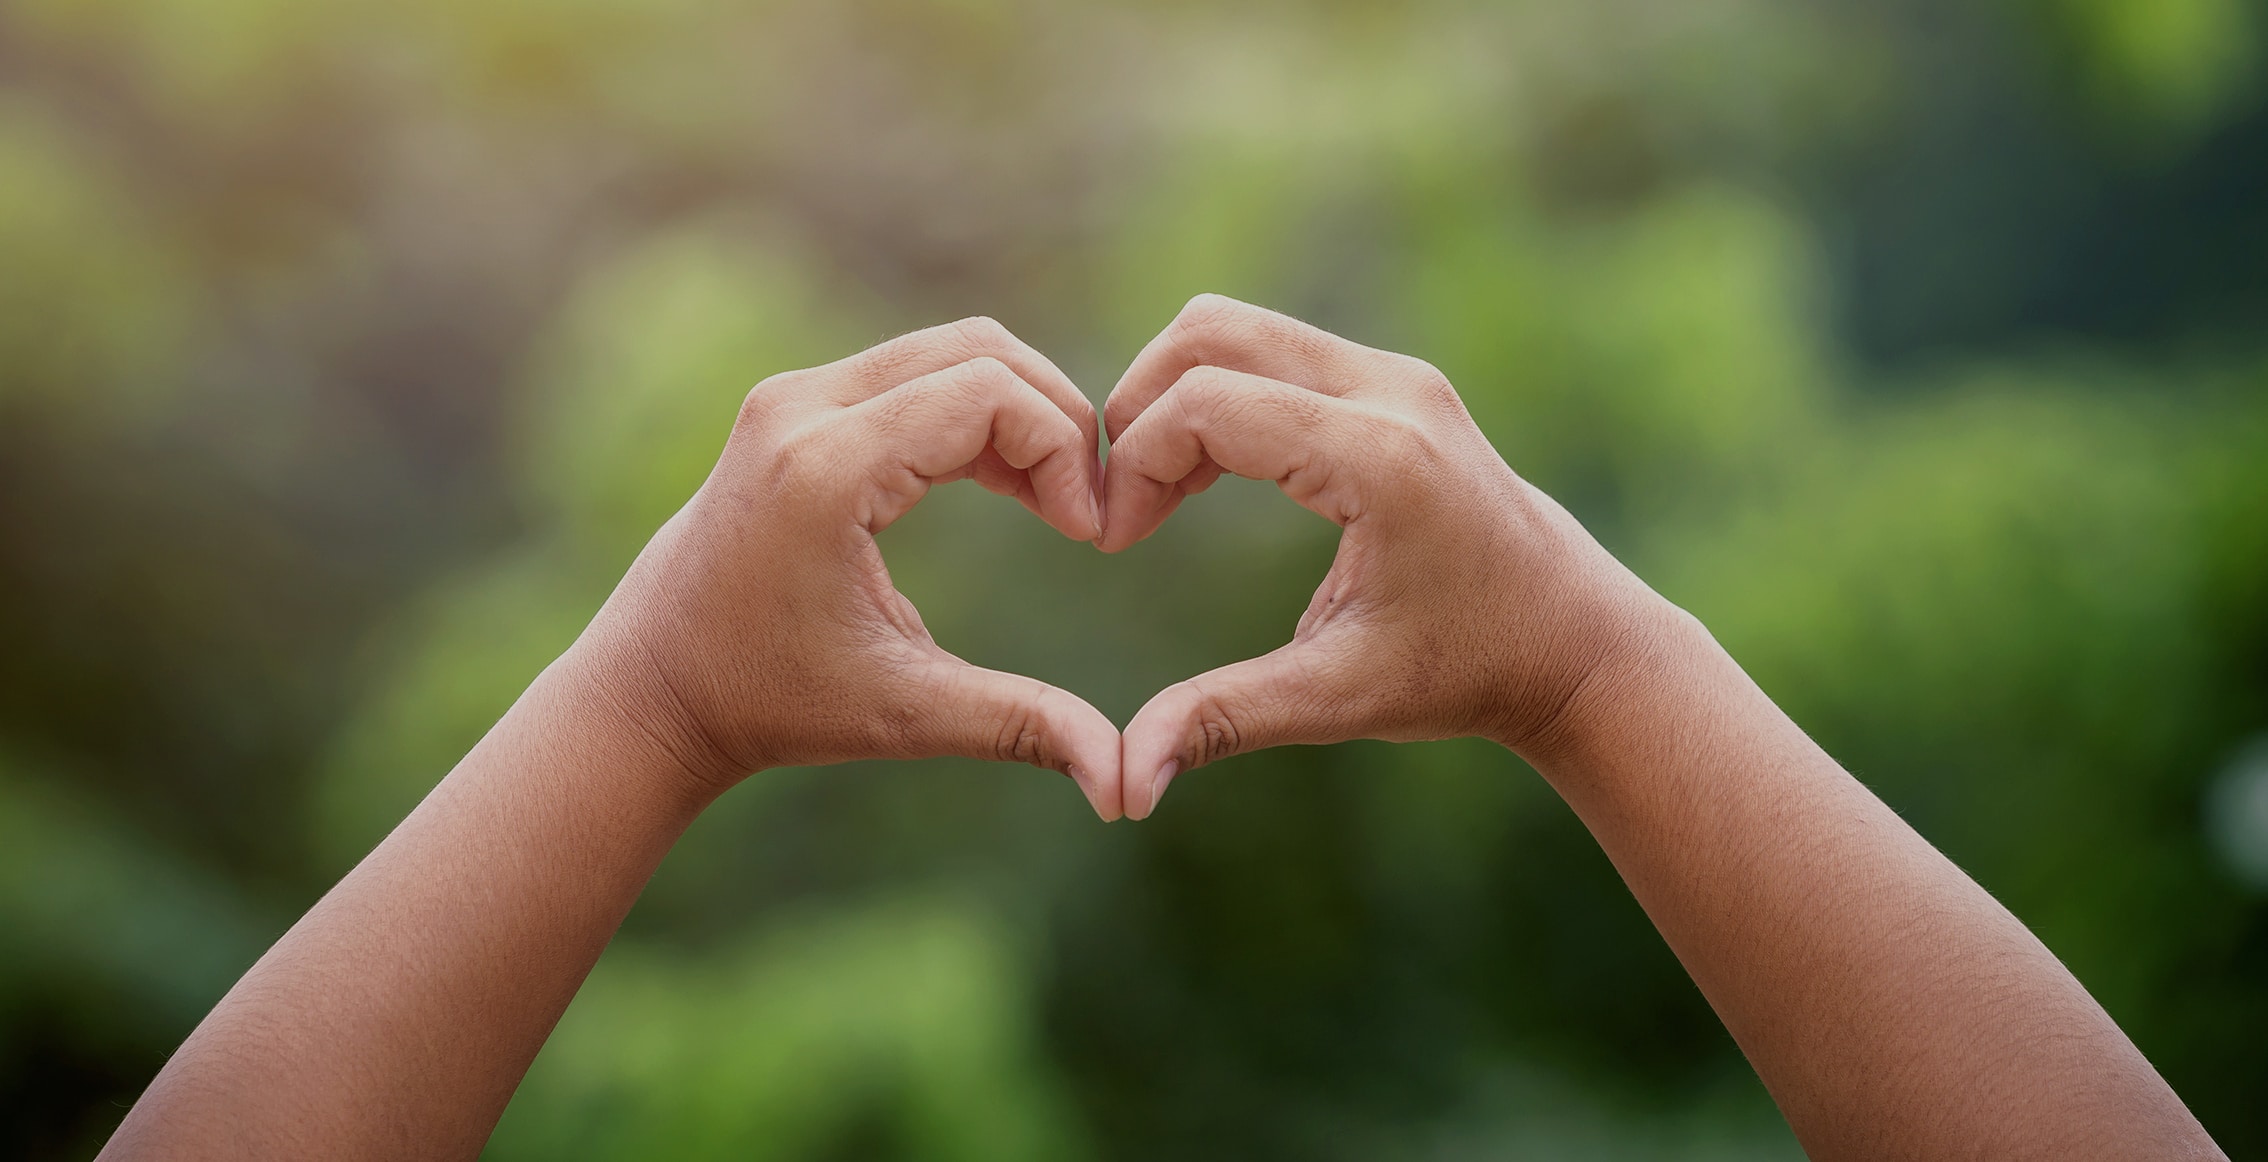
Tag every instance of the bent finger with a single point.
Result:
(1318, 448)
(1218, 331)
(935, 427)
(1287, 697)
(987, 714)
(887, 365)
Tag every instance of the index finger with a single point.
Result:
(908, 357)
(1218, 331)
(934, 427)
(1325, 453)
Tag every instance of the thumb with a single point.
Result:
(1278, 699)
(988, 714)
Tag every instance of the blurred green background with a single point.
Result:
(349, 351)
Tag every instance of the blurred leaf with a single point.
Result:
(1947, 418)
(224, 59)
(93, 308)
(900, 1028)
(1647, 354)
(88, 910)
(2173, 63)
(637, 388)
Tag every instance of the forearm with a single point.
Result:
(1893, 1008)
(759, 627)
(395, 1019)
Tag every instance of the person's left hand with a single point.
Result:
(1463, 601)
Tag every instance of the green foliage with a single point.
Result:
(900, 1023)
(92, 304)
(2175, 63)
(1640, 358)
(120, 932)
(634, 392)
(445, 306)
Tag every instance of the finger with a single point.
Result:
(994, 474)
(936, 427)
(908, 357)
(987, 714)
(1217, 331)
(1318, 448)
(1283, 698)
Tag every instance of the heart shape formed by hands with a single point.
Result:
(1461, 600)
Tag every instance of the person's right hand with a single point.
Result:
(1462, 601)
(759, 627)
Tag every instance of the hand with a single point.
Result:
(759, 627)
(1462, 600)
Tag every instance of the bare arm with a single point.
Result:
(1892, 1007)
(758, 629)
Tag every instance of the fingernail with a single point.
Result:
(1094, 517)
(1165, 775)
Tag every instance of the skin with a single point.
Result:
(1893, 1008)
(759, 628)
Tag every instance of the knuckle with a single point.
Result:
(1405, 450)
(1404, 437)
(1218, 390)
(1023, 738)
(1206, 319)
(1202, 397)
(1395, 438)
(760, 409)
(1022, 734)
(1206, 306)
(1426, 380)
(1204, 386)
(1215, 733)
(802, 456)
(983, 333)
(981, 381)
(989, 371)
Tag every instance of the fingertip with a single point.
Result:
(990, 714)
(1096, 478)
(1127, 497)
(1150, 753)
(1106, 806)
(1071, 507)
(1158, 785)
(1079, 527)
(1093, 746)
(1130, 521)
(1118, 537)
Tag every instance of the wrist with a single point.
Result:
(613, 699)
(1641, 656)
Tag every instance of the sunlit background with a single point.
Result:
(349, 351)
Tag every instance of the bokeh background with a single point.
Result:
(349, 351)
